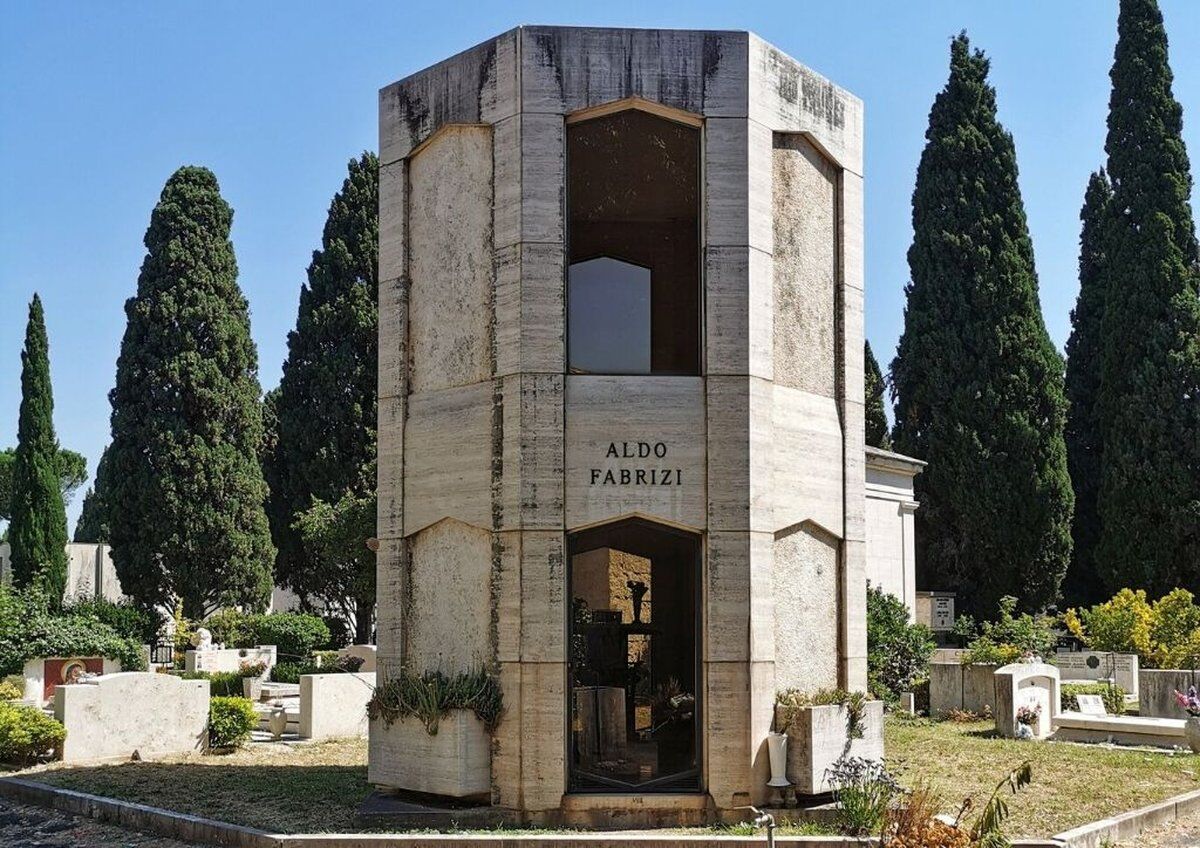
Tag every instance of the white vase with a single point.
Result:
(277, 721)
(777, 749)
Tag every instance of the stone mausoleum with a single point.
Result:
(620, 409)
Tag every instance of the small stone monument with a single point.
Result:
(1027, 699)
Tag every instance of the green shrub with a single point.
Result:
(231, 628)
(127, 620)
(27, 735)
(10, 690)
(433, 695)
(898, 651)
(28, 629)
(1010, 637)
(295, 635)
(797, 699)
(230, 720)
(1114, 696)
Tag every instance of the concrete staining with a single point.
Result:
(487, 445)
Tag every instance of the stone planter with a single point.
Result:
(455, 762)
(1191, 729)
(817, 738)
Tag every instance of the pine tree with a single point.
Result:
(978, 384)
(186, 492)
(323, 438)
(877, 426)
(38, 529)
(92, 525)
(1082, 586)
(1150, 378)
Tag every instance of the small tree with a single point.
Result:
(92, 525)
(38, 529)
(336, 535)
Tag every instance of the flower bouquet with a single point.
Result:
(1029, 715)
(1189, 703)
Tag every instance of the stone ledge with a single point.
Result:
(1129, 825)
(137, 816)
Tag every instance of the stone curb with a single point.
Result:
(1129, 825)
(137, 816)
(210, 832)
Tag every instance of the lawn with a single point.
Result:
(1072, 784)
(316, 788)
(275, 787)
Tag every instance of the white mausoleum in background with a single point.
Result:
(620, 414)
(891, 545)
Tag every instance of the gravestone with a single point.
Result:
(1121, 669)
(1031, 685)
(1091, 705)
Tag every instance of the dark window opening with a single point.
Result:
(633, 282)
(633, 665)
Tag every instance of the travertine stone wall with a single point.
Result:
(487, 447)
(805, 260)
(450, 606)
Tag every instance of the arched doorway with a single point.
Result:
(633, 669)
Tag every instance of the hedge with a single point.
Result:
(27, 735)
(1114, 696)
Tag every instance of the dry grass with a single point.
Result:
(276, 787)
(1072, 784)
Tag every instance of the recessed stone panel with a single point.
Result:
(805, 266)
(449, 612)
(450, 261)
(806, 609)
(635, 445)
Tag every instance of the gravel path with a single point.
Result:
(1184, 833)
(24, 826)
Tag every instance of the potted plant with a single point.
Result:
(252, 678)
(824, 727)
(1190, 704)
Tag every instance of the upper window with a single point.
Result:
(633, 283)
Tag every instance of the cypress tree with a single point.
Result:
(92, 525)
(1082, 586)
(978, 384)
(324, 418)
(1150, 378)
(37, 531)
(877, 427)
(186, 492)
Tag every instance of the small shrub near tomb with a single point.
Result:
(28, 735)
(898, 651)
(294, 635)
(1008, 639)
(432, 695)
(230, 721)
(290, 672)
(855, 703)
(1113, 696)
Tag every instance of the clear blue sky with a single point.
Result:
(100, 102)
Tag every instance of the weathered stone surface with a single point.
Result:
(334, 706)
(455, 762)
(805, 257)
(818, 737)
(530, 484)
(618, 431)
(448, 457)
(171, 716)
(808, 461)
(451, 607)
(450, 262)
(806, 609)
